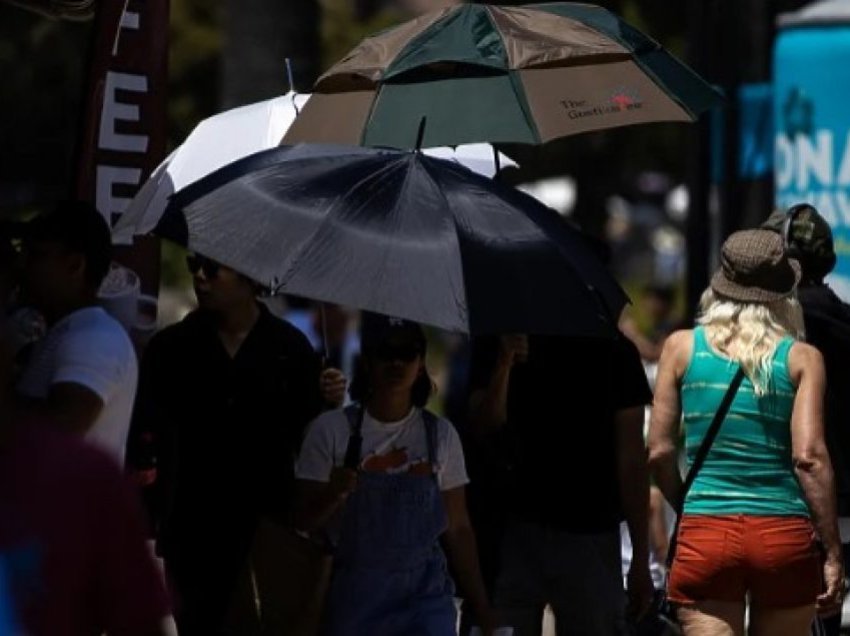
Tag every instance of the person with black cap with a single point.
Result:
(83, 373)
(384, 478)
(808, 238)
(750, 393)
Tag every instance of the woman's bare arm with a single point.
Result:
(812, 464)
(667, 414)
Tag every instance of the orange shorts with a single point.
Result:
(723, 558)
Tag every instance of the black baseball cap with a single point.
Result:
(376, 329)
(807, 237)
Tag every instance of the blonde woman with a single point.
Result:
(765, 491)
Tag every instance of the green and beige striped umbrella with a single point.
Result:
(479, 72)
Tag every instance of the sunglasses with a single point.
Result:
(197, 264)
(389, 352)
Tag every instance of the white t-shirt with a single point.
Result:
(90, 348)
(388, 447)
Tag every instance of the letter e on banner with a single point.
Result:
(123, 135)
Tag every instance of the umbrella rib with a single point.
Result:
(658, 82)
(442, 194)
(382, 269)
(379, 87)
(590, 290)
(536, 217)
(402, 190)
(307, 243)
(512, 76)
(525, 106)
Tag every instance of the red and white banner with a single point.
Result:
(123, 136)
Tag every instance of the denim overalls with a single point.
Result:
(390, 576)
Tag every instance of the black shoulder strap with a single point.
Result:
(710, 436)
(354, 413)
(702, 452)
(431, 435)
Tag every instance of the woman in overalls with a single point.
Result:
(384, 478)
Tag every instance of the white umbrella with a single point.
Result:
(237, 133)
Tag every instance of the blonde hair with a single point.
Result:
(756, 329)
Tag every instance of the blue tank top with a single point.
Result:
(748, 469)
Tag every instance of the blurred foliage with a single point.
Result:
(342, 30)
(193, 89)
(637, 310)
(193, 65)
(174, 272)
(43, 66)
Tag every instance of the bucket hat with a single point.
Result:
(755, 268)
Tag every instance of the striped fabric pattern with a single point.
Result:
(748, 469)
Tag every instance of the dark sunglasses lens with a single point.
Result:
(210, 269)
(196, 264)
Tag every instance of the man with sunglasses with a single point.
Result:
(225, 394)
(808, 238)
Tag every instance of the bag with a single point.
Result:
(289, 571)
(297, 566)
(291, 574)
(667, 611)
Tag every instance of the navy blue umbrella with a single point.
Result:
(398, 233)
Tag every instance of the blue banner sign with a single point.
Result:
(811, 108)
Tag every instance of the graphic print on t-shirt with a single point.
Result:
(394, 461)
(387, 447)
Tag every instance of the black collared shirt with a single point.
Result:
(226, 430)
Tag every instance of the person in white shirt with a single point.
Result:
(384, 479)
(82, 376)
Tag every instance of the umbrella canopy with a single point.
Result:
(237, 133)
(480, 72)
(66, 9)
(398, 233)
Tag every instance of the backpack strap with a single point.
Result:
(354, 413)
(431, 424)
